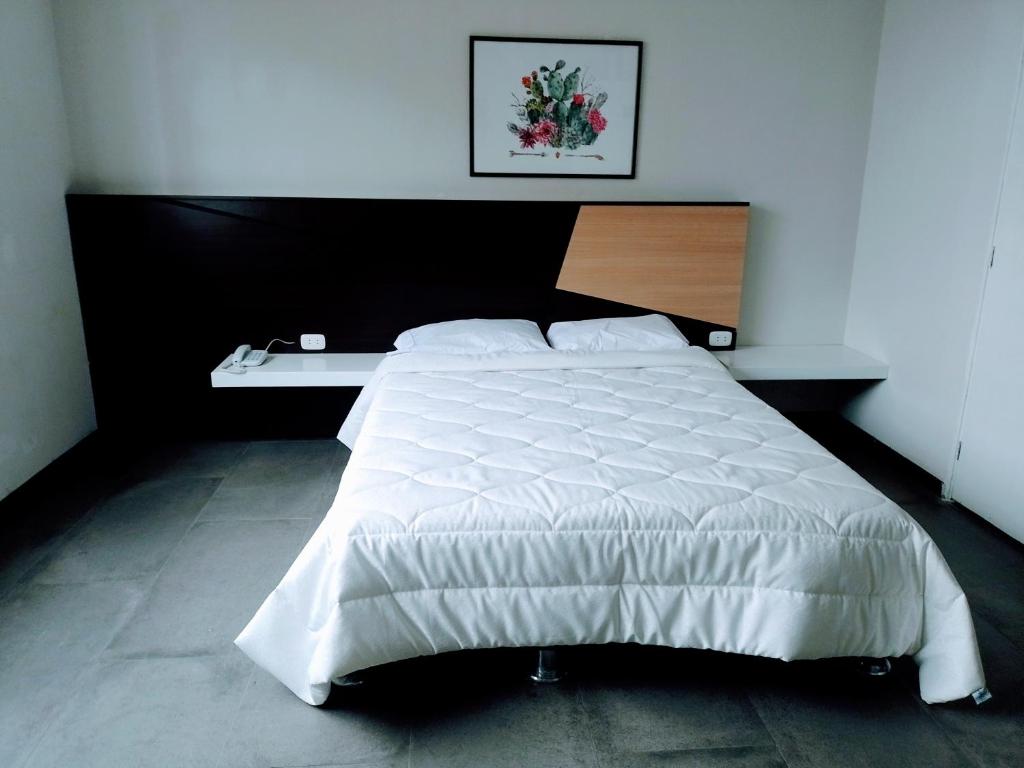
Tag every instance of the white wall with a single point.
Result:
(947, 78)
(45, 397)
(762, 101)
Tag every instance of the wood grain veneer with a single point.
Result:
(682, 260)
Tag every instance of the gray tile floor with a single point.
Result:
(127, 583)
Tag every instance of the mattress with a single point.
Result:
(552, 499)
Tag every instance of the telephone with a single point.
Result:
(246, 357)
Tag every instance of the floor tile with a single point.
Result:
(862, 722)
(271, 462)
(299, 499)
(399, 761)
(147, 712)
(18, 565)
(277, 480)
(192, 459)
(1014, 631)
(129, 535)
(48, 634)
(524, 725)
(988, 564)
(991, 735)
(970, 545)
(275, 728)
(211, 586)
(664, 718)
(334, 473)
(38, 518)
(723, 757)
(999, 605)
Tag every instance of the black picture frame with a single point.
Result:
(475, 171)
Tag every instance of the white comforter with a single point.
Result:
(561, 499)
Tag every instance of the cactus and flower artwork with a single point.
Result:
(543, 107)
(557, 111)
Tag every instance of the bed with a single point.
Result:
(551, 499)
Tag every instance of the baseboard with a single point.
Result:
(34, 510)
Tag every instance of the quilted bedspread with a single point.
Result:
(561, 499)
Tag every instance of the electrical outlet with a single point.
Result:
(720, 338)
(313, 341)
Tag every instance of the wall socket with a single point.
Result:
(720, 338)
(314, 342)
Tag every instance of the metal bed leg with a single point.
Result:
(875, 667)
(547, 670)
(349, 681)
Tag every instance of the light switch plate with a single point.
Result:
(720, 338)
(314, 342)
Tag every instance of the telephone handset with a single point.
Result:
(246, 357)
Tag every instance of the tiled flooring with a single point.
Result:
(124, 584)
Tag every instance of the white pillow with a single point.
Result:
(473, 337)
(649, 333)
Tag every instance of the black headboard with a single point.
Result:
(170, 285)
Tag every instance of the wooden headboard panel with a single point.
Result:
(681, 260)
(197, 276)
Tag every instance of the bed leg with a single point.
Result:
(349, 681)
(547, 670)
(874, 667)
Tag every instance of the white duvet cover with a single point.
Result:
(560, 499)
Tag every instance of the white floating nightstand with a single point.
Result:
(354, 369)
(318, 369)
(805, 362)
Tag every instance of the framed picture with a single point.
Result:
(553, 107)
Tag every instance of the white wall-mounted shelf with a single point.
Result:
(805, 362)
(777, 363)
(313, 369)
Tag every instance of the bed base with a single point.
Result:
(548, 669)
